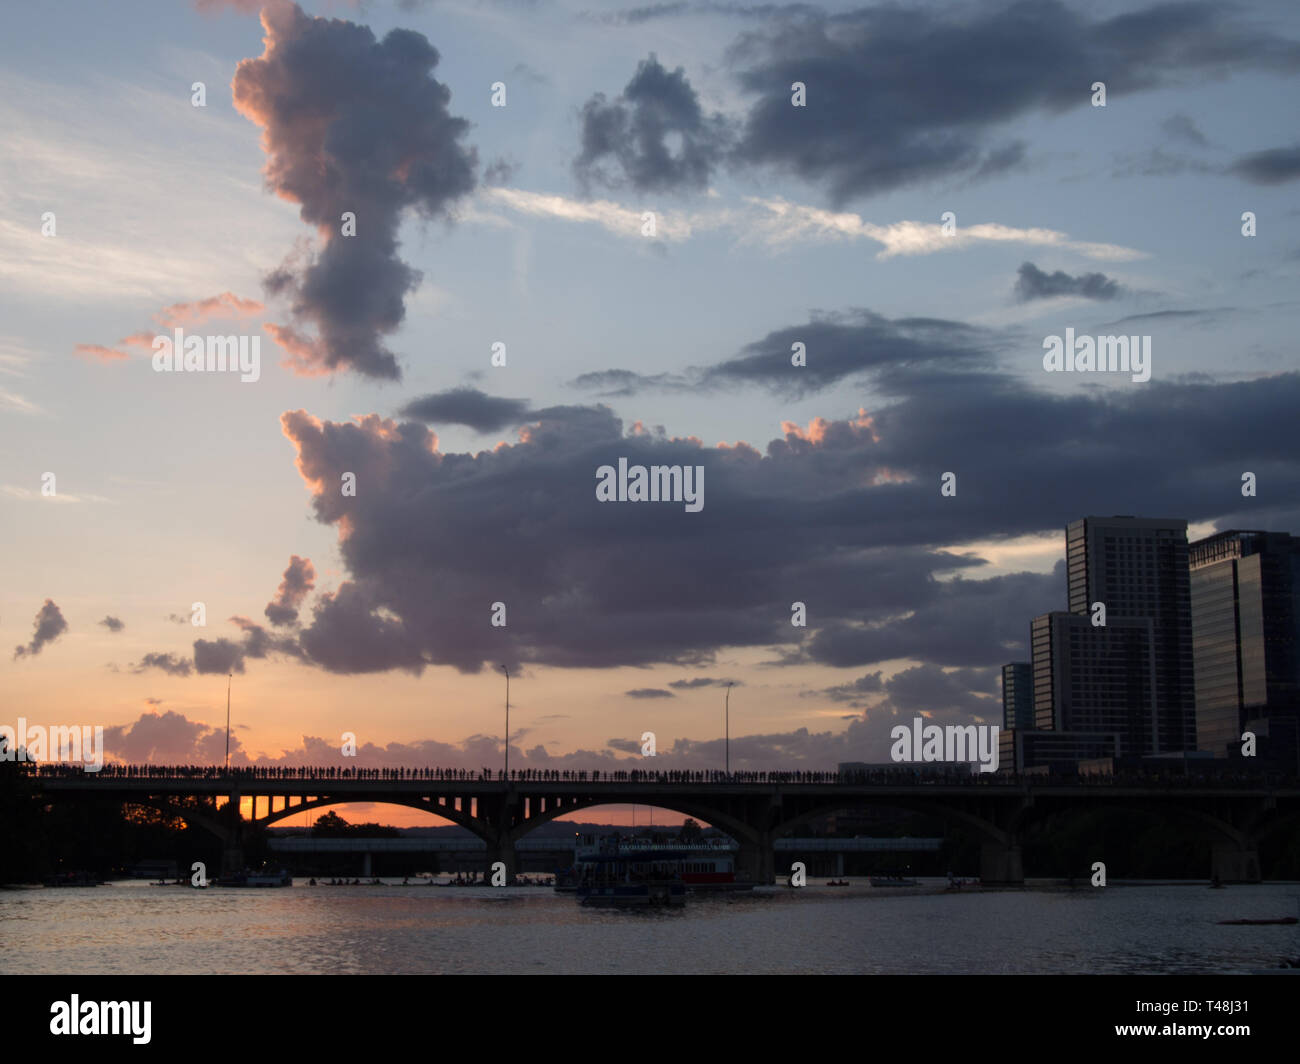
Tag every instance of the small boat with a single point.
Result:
(273, 878)
(894, 881)
(1259, 923)
(74, 879)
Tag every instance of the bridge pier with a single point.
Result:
(501, 849)
(365, 864)
(756, 859)
(1000, 864)
(1235, 864)
(232, 850)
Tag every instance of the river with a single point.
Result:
(134, 928)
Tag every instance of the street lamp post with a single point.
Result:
(507, 672)
(229, 680)
(728, 730)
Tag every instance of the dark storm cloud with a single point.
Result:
(113, 624)
(351, 124)
(838, 346)
(632, 133)
(871, 124)
(844, 515)
(1033, 283)
(953, 622)
(1272, 167)
(299, 579)
(226, 656)
(843, 345)
(168, 663)
(927, 687)
(218, 656)
(469, 407)
(49, 625)
(649, 692)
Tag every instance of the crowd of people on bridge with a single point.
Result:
(891, 776)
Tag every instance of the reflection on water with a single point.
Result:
(134, 928)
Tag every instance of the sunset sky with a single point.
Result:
(523, 225)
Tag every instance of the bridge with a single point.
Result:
(1232, 815)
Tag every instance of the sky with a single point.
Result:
(816, 252)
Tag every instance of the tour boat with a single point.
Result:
(614, 873)
(701, 868)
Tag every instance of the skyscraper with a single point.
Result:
(1098, 680)
(1137, 567)
(1245, 593)
(1017, 695)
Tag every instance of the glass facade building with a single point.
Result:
(1096, 679)
(1138, 568)
(1017, 695)
(1246, 633)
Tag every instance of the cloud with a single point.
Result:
(649, 692)
(499, 172)
(299, 579)
(637, 16)
(433, 538)
(871, 125)
(169, 738)
(632, 132)
(852, 344)
(167, 663)
(112, 624)
(779, 224)
(14, 401)
(224, 306)
(927, 688)
(853, 691)
(703, 681)
(609, 383)
(1181, 127)
(1157, 162)
(243, 7)
(1272, 167)
(351, 124)
(49, 625)
(469, 407)
(223, 656)
(1032, 283)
